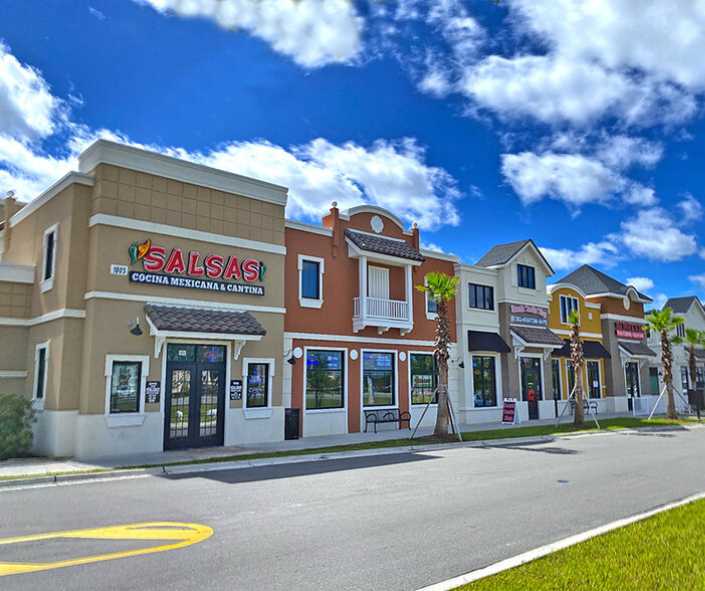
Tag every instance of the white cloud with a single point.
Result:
(27, 108)
(604, 253)
(698, 280)
(313, 33)
(659, 39)
(96, 13)
(643, 284)
(654, 235)
(393, 175)
(659, 300)
(691, 209)
(571, 178)
(622, 151)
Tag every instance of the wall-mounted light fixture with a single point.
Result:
(135, 328)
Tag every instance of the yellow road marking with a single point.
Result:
(182, 534)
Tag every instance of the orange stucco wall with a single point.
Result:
(341, 284)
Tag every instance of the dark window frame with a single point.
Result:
(483, 367)
(557, 393)
(41, 369)
(391, 372)
(113, 410)
(340, 371)
(434, 380)
(526, 276)
(267, 378)
(303, 285)
(567, 304)
(480, 297)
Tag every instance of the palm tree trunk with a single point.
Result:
(442, 355)
(691, 365)
(576, 356)
(667, 359)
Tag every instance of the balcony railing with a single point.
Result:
(381, 309)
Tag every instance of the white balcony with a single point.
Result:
(382, 313)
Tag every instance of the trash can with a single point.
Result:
(292, 417)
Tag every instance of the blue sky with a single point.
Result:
(484, 122)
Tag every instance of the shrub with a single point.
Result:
(16, 418)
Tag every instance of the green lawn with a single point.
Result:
(663, 553)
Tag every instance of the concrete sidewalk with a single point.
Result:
(38, 466)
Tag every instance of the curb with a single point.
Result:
(165, 470)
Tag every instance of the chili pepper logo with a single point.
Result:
(138, 250)
(262, 270)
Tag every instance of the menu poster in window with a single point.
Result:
(152, 392)
(235, 389)
(509, 411)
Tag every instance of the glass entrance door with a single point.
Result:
(593, 375)
(631, 374)
(195, 396)
(531, 390)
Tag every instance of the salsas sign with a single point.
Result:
(629, 330)
(192, 270)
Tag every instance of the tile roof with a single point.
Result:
(680, 305)
(637, 349)
(591, 350)
(537, 335)
(383, 245)
(592, 281)
(203, 320)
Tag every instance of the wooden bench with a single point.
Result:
(387, 415)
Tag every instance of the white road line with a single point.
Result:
(532, 555)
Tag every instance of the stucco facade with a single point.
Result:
(73, 299)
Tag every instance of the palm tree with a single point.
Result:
(578, 361)
(693, 338)
(441, 289)
(664, 323)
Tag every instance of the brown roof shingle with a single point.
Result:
(537, 335)
(203, 320)
(383, 245)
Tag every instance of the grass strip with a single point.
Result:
(665, 552)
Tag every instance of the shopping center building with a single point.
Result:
(142, 306)
(358, 334)
(564, 299)
(621, 313)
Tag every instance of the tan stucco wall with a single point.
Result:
(109, 245)
(64, 367)
(68, 209)
(13, 348)
(147, 197)
(107, 333)
(15, 299)
(12, 386)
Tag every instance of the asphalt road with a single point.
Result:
(394, 522)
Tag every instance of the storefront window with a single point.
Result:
(257, 385)
(423, 378)
(556, 374)
(593, 374)
(378, 379)
(324, 379)
(125, 386)
(484, 381)
(700, 377)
